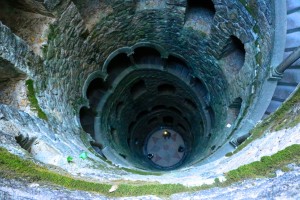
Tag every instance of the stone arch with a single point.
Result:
(90, 78)
(160, 49)
(124, 50)
(178, 66)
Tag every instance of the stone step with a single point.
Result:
(290, 50)
(282, 92)
(292, 5)
(293, 21)
(292, 40)
(291, 75)
(278, 99)
(273, 106)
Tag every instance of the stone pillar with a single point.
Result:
(277, 72)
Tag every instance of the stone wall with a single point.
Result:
(76, 48)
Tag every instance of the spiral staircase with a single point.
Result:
(291, 77)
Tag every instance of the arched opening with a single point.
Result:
(199, 86)
(87, 120)
(120, 106)
(158, 107)
(211, 114)
(96, 91)
(233, 55)
(147, 55)
(190, 104)
(138, 89)
(168, 120)
(199, 15)
(203, 4)
(11, 80)
(152, 120)
(175, 110)
(131, 126)
(142, 114)
(117, 65)
(234, 109)
(178, 67)
(166, 89)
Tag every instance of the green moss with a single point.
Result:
(266, 166)
(44, 50)
(243, 2)
(258, 58)
(256, 29)
(229, 154)
(12, 167)
(280, 119)
(157, 189)
(33, 100)
(294, 122)
(53, 32)
(250, 6)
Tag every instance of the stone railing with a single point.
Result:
(277, 72)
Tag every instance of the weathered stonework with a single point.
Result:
(73, 41)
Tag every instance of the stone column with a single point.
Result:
(277, 72)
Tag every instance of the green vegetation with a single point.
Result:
(229, 154)
(266, 166)
(251, 7)
(13, 167)
(85, 139)
(256, 29)
(53, 32)
(258, 58)
(33, 100)
(284, 117)
(45, 49)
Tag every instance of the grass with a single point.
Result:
(33, 100)
(13, 167)
(282, 118)
(266, 166)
